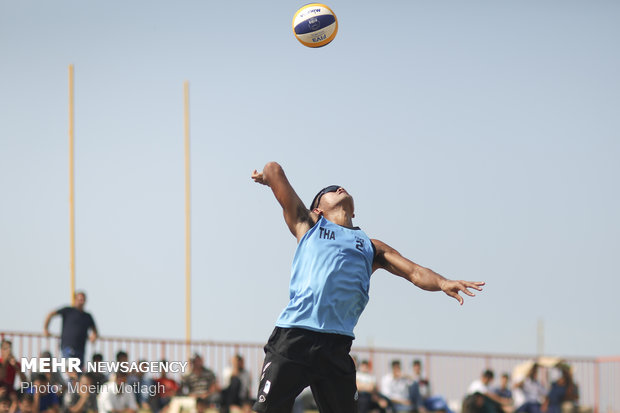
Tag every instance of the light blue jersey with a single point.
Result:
(330, 279)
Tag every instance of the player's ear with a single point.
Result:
(318, 211)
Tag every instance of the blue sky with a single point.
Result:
(480, 139)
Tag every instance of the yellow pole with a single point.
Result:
(71, 187)
(188, 269)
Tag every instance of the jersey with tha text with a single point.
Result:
(330, 279)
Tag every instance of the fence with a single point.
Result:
(449, 373)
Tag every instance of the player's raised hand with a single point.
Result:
(453, 287)
(258, 177)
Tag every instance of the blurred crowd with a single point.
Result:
(399, 392)
(199, 390)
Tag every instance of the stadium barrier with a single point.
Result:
(449, 373)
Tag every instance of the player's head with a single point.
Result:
(331, 197)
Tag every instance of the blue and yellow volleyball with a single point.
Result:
(315, 25)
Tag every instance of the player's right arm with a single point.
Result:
(297, 217)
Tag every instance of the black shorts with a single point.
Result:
(296, 358)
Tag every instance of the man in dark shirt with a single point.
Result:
(75, 325)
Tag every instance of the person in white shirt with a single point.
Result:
(529, 393)
(395, 387)
(483, 384)
(368, 394)
(481, 396)
(117, 396)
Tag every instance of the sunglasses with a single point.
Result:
(317, 197)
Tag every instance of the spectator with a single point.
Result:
(368, 393)
(480, 397)
(25, 403)
(114, 399)
(504, 387)
(5, 404)
(142, 384)
(395, 387)
(43, 401)
(121, 357)
(200, 382)
(81, 400)
(162, 399)
(201, 405)
(422, 400)
(424, 385)
(4, 393)
(564, 393)
(505, 393)
(236, 383)
(419, 391)
(98, 378)
(73, 380)
(304, 401)
(9, 368)
(75, 326)
(529, 393)
(55, 378)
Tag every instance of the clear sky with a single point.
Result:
(479, 138)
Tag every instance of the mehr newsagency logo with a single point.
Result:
(72, 365)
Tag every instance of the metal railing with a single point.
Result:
(449, 373)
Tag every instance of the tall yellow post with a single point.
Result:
(188, 268)
(71, 187)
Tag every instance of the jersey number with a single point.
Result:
(359, 244)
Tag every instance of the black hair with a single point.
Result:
(488, 374)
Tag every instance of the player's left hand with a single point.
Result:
(453, 287)
(258, 177)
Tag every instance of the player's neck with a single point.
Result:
(340, 217)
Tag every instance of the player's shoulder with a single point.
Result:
(306, 223)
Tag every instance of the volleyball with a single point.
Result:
(315, 25)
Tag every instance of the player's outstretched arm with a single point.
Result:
(391, 260)
(298, 218)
